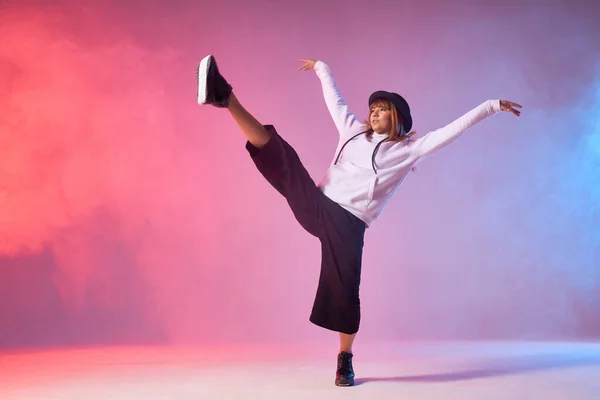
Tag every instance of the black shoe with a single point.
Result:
(344, 375)
(212, 87)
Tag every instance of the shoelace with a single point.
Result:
(344, 362)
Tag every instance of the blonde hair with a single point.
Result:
(395, 132)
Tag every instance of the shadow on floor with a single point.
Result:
(500, 367)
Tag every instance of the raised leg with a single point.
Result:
(214, 89)
(255, 132)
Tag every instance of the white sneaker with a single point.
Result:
(213, 89)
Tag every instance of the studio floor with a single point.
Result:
(440, 371)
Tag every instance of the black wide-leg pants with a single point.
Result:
(336, 306)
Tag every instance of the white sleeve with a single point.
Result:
(440, 138)
(345, 121)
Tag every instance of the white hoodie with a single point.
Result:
(352, 181)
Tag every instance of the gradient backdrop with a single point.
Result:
(129, 214)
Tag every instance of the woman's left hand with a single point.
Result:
(509, 106)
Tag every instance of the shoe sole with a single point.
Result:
(348, 382)
(202, 76)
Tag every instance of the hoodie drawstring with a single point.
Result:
(374, 151)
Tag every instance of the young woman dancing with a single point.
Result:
(371, 161)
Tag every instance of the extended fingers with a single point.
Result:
(515, 104)
(307, 64)
(507, 105)
(304, 66)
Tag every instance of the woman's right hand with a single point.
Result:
(306, 64)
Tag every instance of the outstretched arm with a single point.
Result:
(439, 138)
(345, 121)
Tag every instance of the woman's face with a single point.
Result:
(380, 118)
